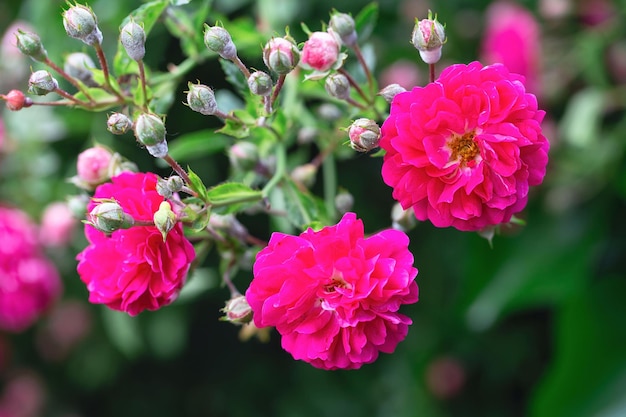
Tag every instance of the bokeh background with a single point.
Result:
(533, 326)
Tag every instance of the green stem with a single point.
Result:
(69, 78)
(178, 71)
(329, 172)
(281, 166)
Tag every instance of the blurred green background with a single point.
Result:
(535, 326)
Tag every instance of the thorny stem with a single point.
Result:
(244, 70)
(69, 78)
(142, 78)
(279, 85)
(223, 115)
(354, 84)
(368, 73)
(70, 97)
(105, 71)
(356, 103)
(176, 167)
(431, 72)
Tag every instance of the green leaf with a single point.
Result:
(104, 99)
(233, 194)
(163, 97)
(197, 144)
(365, 21)
(303, 208)
(196, 214)
(197, 185)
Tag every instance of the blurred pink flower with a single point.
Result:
(512, 37)
(445, 377)
(24, 396)
(320, 51)
(402, 72)
(133, 270)
(463, 151)
(65, 327)
(29, 283)
(334, 294)
(57, 224)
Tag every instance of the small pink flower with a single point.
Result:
(334, 294)
(29, 283)
(321, 51)
(57, 225)
(133, 270)
(92, 166)
(463, 151)
(512, 37)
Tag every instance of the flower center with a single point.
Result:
(337, 281)
(464, 148)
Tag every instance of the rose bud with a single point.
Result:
(218, 40)
(281, 55)
(201, 99)
(428, 38)
(80, 22)
(364, 135)
(41, 83)
(30, 44)
(133, 39)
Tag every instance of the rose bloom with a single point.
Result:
(463, 151)
(334, 294)
(321, 51)
(29, 282)
(512, 37)
(133, 270)
(57, 225)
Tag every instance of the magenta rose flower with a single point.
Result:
(334, 295)
(133, 270)
(29, 282)
(321, 51)
(463, 151)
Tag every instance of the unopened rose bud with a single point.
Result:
(343, 25)
(237, 310)
(201, 99)
(389, 92)
(305, 174)
(364, 135)
(320, 52)
(402, 219)
(169, 186)
(164, 219)
(108, 216)
(218, 40)
(428, 38)
(329, 111)
(92, 167)
(119, 123)
(243, 156)
(16, 100)
(57, 225)
(149, 129)
(133, 39)
(281, 55)
(344, 202)
(337, 86)
(160, 150)
(306, 135)
(30, 44)
(41, 83)
(80, 22)
(260, 83)
(79, 65)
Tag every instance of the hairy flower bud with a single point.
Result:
(305, 174)
(79, 65)
(389, 92)
(260, 83)
(41, 83)
(119, 123)
(133, 39)
(364, 135)
(338, 86)
(344, 202)
(321, 51)
(237, 310)
(108, 216)
(201, 99)
(168, 187)
(428, 38)
(243, 156)
(218, 40)
(164, 219)
(16, 100)
(80, 22)
(149, 129)
(93, 167)
(281, 55)
(30, 44)
(343, 25)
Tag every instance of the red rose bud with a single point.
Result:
(428, 38)
(218, 40)
(133, 39)
(119, 123)
(93, 167)
(79, 66)
(41, 83)
(16, 100)
(281, 55)
(30, 44)
(343, 25)
(389, 92)
(237, 310)
(364, 135)
(108, 216)
(80, 22)
(164, 219)
(338, 86)
(260, 83)
(201, 99)
(321, 51)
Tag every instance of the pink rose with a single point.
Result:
(321, 51)
(29, 283)
(463, 151)
(334, 294)
(512, 37)
(57, 225)
(92, 166)
(133, 270)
